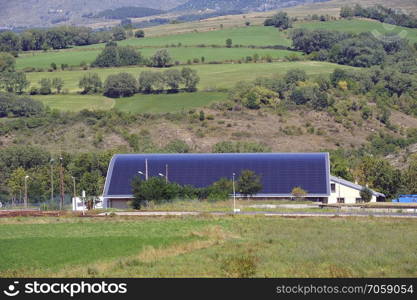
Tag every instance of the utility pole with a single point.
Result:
(234, 193)
(61, 174)
(166, 173)
(52, 180)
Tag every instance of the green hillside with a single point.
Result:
(361, 25)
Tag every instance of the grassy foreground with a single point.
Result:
(208, 247)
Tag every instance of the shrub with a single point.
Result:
(240, 266)
(298, 193)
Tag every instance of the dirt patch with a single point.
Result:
(29, 213)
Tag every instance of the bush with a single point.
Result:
(120, 85)
(139, 34)
(240, 266)
(298, 193)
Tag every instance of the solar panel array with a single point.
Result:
(280, 172)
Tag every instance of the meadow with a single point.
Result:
(75, 57)
(361, 25)
(212, 75)
(206, 246)
(245, 36)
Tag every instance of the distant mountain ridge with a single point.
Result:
(44, 13)
(247, 5)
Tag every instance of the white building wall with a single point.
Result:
(348, 193)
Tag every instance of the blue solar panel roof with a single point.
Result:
(280, 172)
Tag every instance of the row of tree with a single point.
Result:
(56, 38)
(125, 85)
(117, 56)
(158, 190)
(380, 13)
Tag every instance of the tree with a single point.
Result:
(7, 62)
(366, 194)
(90, 83)
(139, 34)
(14, 82)
(150, 82)
(58, 84)
(173, 78)
(249, 183)
(229, 43)
(161, 59)
(16, 183)
(154, 189)
(191, 79)
(116, 56)
(9, 42)
(120, 85)
(118, 33)
(46, 86)
(346, 12)
(280, 20)
(298, 193)
(410, 176)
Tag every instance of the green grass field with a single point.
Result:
(246, 36)
(208, 247)
(361, 25)
(212, 76)
(74, 57)
(75, 102)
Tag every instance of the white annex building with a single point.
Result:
(343, 191)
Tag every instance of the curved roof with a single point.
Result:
(280, 172)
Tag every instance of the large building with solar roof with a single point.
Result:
(279, 172)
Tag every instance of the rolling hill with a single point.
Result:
(248, 5)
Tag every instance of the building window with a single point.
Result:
(333, 187)
(359, 200)
(340, 200)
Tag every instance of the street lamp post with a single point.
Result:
(26, 191)
(75, 192)
(162, 175)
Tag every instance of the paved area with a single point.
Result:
(154, 213)
(290, 206)
(269, 214)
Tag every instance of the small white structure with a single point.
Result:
(78, 205)
(343, 191)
